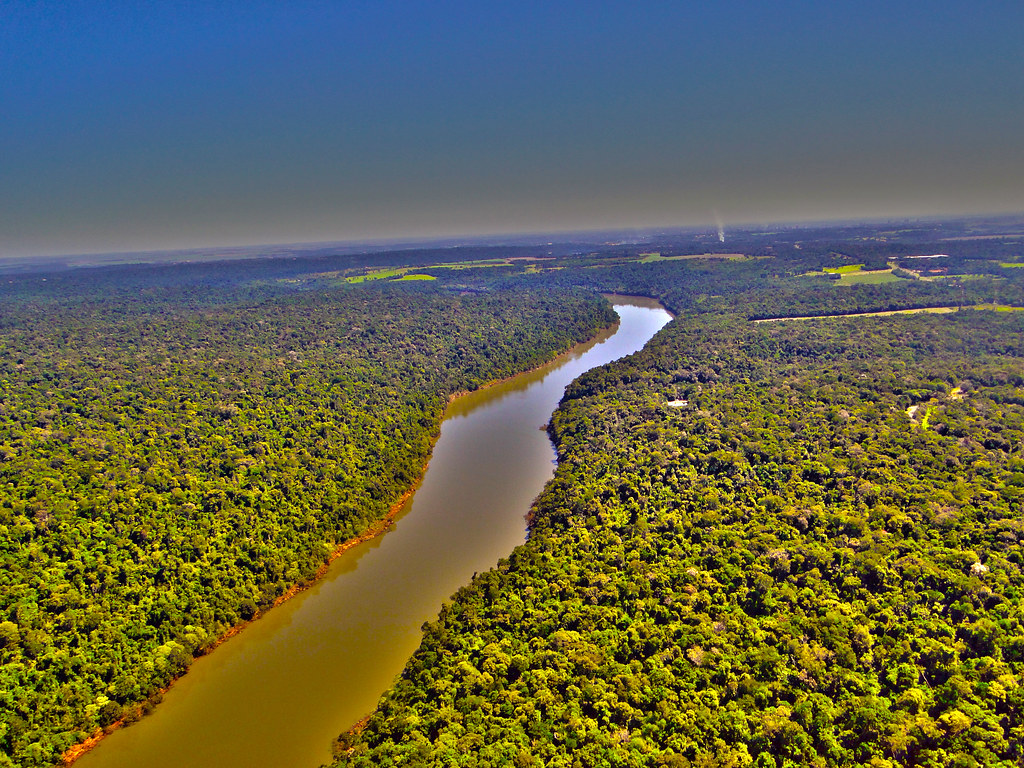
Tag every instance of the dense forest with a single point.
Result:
(811, 557)
(170, 468)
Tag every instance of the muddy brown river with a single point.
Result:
(279, 692)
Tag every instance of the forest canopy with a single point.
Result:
(811, 558)
(168, 470)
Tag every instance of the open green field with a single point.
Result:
(647, 258)
(998, 307)
(474, 264)
(380, 274)
(843, 270)
(874, 277)
(388, 274)
(854, 274)
(402, 273)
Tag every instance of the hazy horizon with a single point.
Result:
(133, 128)
(595, 237)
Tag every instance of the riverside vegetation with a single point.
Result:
(168, 472)
(790, 569)
(787, 570)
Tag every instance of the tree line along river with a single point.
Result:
(280, 691)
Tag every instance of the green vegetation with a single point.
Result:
(403, 273)
(855, 274)
(880, 313)
(874, 277)
(648, 258)
(476, 263)
(794, 568)
(998, 307)
(787, 571)
(167, 472)
(380, 274)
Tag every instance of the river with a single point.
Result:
(280, 691)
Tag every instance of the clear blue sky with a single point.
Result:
(126, 126)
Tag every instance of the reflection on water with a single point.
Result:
(279, 692)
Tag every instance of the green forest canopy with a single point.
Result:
(789, 567)
(788, 570)
(167, 472)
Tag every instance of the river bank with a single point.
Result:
(282, 691)
(377, 528)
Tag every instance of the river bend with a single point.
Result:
(280, 691)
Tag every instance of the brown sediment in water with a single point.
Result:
(341, 744)
(377, 528)
(74, 752)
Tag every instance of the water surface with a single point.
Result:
(278, 693)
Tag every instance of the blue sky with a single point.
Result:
(127, 126)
